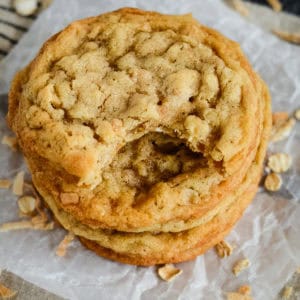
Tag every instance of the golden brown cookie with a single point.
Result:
(91, 112)
(142, 129)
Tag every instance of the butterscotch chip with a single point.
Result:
(5, 183)
(10, 141)
(18, 184)
(240, 266)
(69, 198)
(168, 272)
(287, 292)
(287, 36)
(273, 182)
(223, 249)
(282, 129)
(27, 204)
(240, 7)
(62, 247)
(6, 293)
(275, 4)
(279, 162)
(297, 114)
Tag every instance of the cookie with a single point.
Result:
(142, 129)
(150, 77)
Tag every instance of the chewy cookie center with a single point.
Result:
(153, 158)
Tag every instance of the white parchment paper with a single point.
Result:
(268, 234)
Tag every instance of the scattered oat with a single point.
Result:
(69, 198)
(15, 226)
(223, 249)
(240, 7)
(288, 36)
(168, 272)
(27, 205)
(273, 182)
(18, 184)
(240, 266)
(275, 4)
(6, 293)
(238, 296)
(34, 223)
(10, 141)
(279, 162)
(62, 247)
(25, 7)
(5, 183)
(287, 292)
(297, 114)
(245, 290)
(281, 129)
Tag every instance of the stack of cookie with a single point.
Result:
(145, 133)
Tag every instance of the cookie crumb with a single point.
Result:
(275, 4)
(282, 126)
(10, 141)
(287, 292)
(27, 205)
(240, 7)
(63, 245)
(287, 36)
(69, 198)
(223, 249)
(297, 114)
(5, 183)
(273, 182)
(238, 296)
(18, 184)
(279, 162)
(245, 290)
(168, 272)
(279, 117)
(6, 293)
(240, 266)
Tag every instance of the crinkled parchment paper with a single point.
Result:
(268, 234)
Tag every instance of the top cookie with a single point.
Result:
(141, 118)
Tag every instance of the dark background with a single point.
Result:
(291, 6)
